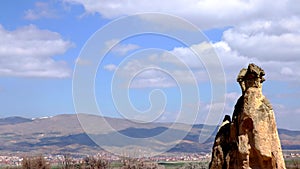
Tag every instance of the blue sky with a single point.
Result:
(41, 42)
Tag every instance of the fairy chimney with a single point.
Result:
(250, 140)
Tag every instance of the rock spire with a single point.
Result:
(250, 140)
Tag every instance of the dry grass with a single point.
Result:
(38, 162)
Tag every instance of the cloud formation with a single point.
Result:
(276, 40)
(181, 61)
(41, 10)
(165, 68)
(206, 14)
(29, 52)
(264, 32)
(120, 49)
(110, 67)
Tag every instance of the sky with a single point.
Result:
(44, 44)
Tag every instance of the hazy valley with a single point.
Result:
(63, 134)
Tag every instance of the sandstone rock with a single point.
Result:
(250, 140)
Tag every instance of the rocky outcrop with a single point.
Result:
(250, 140)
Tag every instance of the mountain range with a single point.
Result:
(64, 134)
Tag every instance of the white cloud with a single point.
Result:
(123, 49)
(41, 10)
(232, 96)
(231, 60)
(286, 71)
(180, 61)
(110, 67)
(152, 82)
(180, 66)
(276, 40)
(109, 44)
(204, 13)
(276, 69)
(144, 74)
(82, 61)
(271, 44)
(182, 56)
(268, 36)
(29, 51)
(120, 49)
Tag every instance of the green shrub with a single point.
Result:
(195, 165)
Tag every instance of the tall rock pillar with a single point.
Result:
(250, 140)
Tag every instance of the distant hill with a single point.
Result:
(63, 134)
(290, 140)
(13, 120)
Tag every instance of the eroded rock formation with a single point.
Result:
(250, 140)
